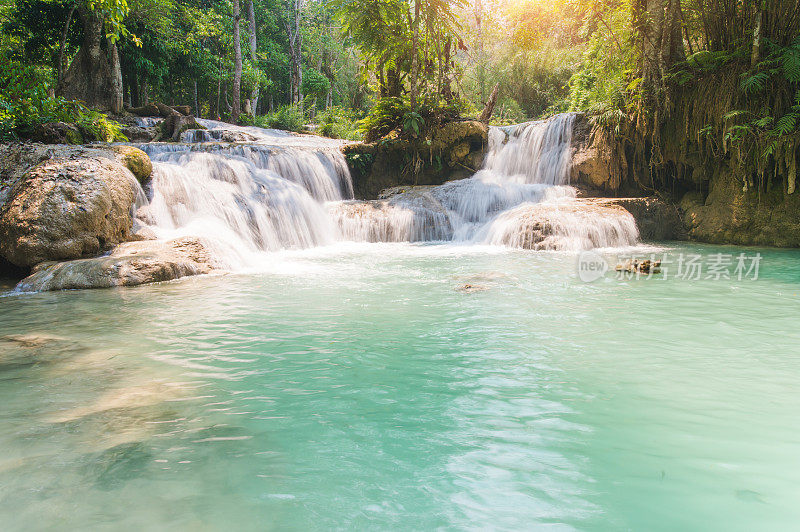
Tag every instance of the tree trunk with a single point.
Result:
(251, 20)
(486, 115)
(63, 44)
(196, 101)
(662, 47)
(755, 55)
(236, 108)
(295, 42)
(116, 78)
(95, 75)
(480, 59)
(414, 59)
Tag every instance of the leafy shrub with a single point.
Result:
(338, 123)
(390, 114)
(25, 103)
(386, 116)
(288, 118)
(97, 126)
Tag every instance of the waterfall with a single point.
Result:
(520, 198)
(248, 190)
(244, 199)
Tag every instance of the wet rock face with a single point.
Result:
(656, 219)
(593, 162)
(730, 215)
(66, 209)
(134, 160)
(130, 264)
(455, 151)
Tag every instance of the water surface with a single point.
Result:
(405, 387)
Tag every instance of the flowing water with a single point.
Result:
(436, 378)
(283, 191)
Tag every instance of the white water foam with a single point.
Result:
(279, 191)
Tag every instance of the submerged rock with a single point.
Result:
(130, 264)
(67, 209)
(639, 266)
(403, 214)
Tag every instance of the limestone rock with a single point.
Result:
(65, 209)
(55, 133)
(593, 161)
(646, 266)
(656, 219)
(139, 134)
(129, 264)
(17, 159)
(455, 150)
(731, 215)
(136, 161)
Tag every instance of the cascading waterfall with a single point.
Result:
(521, 198)
(273, 190)
(244, 199)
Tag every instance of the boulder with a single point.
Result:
(639, 266)
(129, 264)
(67, 208)
(139, 134)
(594, 163)
(136, 161)
(174, 125)
(55, 133)
(17, 159)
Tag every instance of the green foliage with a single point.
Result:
(315, 84)
(386, 115)
(25, 102)
(287, 117)
(338, 123)
(97, 126)
(413, 123)
(360, 162)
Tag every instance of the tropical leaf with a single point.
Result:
(790, 60)
(786, 124)
(754, 83)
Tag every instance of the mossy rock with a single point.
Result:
(136, 161)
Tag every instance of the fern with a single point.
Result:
(790, 60)
(754, 83)
(735, 114)
(763, 122)
(786, 124)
